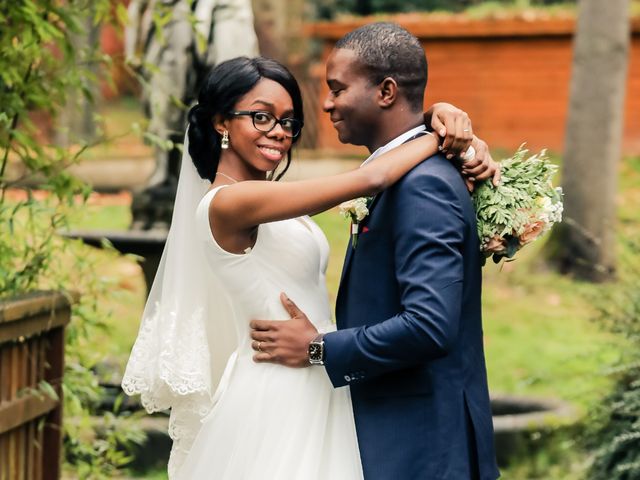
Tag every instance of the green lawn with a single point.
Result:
(539, 334)
(104, 217)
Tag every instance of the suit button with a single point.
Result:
(347, 378)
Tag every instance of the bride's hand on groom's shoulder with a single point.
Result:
(452, 125)
(454, 128)
(285, 342)
(481, 167)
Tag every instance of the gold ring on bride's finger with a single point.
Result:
(259, 346)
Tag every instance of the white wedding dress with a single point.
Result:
(271, 422)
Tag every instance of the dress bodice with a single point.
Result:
(289, 256)
(266, 420)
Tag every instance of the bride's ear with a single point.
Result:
(220, 124)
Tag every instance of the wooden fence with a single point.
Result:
(31, 352)
(511, 75)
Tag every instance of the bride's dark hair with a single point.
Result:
(225, 84)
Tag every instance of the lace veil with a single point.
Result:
(187, 333)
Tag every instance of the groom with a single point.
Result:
(409, 340)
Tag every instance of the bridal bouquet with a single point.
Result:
(523, 207)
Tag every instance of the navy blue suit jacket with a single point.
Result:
(409, 339)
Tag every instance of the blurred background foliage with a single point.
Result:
(50, 66)
(327, 9)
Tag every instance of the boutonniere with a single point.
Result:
(355, 210)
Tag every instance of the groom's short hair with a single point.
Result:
(388, 50)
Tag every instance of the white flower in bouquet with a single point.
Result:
(521, 209)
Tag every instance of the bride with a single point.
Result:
(236, 241)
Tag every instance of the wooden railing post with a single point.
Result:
(31, 351)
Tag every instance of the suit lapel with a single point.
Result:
(347, 262)
(371, 206)
(340, 299)
(350, 250)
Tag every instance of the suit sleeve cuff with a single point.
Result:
(336, 347)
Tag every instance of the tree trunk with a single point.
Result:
(584, 243)
(76, 122)
(280, 28)
(279, 25)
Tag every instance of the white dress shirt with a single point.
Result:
(399, 140)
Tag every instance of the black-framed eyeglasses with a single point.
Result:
(265, 122)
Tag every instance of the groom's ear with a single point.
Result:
(387, 92)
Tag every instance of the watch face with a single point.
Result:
(315, 352)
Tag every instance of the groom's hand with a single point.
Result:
(285, 342)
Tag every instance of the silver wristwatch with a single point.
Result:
(316, 350)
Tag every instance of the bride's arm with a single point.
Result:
(247, 204)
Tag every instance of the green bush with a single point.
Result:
(45, 62)
(614, 438)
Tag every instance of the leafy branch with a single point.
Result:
(43, 63)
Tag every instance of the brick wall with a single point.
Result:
(511, 76)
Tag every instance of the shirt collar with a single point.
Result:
(399, 140)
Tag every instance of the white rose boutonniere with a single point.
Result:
(355, 210)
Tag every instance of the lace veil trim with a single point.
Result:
(187, 331)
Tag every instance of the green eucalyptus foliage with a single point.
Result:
(41, 62)
(525, 194)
